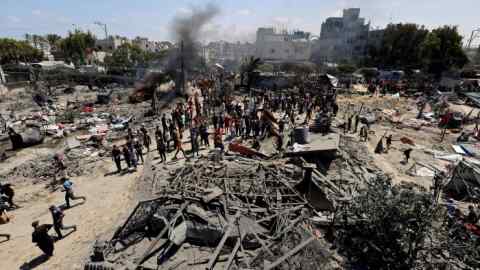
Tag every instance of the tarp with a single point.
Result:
(333, 80)
(465, 182)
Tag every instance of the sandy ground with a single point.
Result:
(109, 201)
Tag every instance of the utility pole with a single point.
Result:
(104, 25)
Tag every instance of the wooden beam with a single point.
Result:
(233, 254)
(160, 235)
(213, 258)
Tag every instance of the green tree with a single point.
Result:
(248, 68)
(53, 39)
(75, 46)
(266, 68)
(14, 51)
(399, 47)
(442, 50)
(128, 56)
(346, 69)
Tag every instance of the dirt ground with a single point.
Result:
(109, 201)
(426, 139)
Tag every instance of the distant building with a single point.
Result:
(343, 38)
(111, 43)
(283, 46)
(151, 46)
(42, 45)
(223, 51)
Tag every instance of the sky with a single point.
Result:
(237, 20)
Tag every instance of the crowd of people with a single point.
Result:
(207, 119)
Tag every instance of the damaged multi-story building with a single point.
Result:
(346, 38)
(223, 51)
(274, 45)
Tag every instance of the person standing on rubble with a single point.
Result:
(389, 142)
(41, 237)
(204, 135)
(130, 135)
(133, 157)
(59, 163)
(217, 140)
(138, 148)
(356, 120)
(364, 133)
(194, 141)
(406, 154)
(146, 138)
(161, 148)
(158, 133)
(164, 123)
(177, 142)
(57, 217)
(127, 156)
(117, 158)
(69, 194)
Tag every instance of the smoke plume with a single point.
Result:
(187, 28)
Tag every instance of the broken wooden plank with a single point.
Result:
(230, 227)
(289, 254)
(146, 254)
(233, 254)
(264, 246)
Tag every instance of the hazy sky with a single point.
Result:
(238, 19)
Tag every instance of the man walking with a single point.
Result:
(57, 217)
(138, 150)
(146, 138)
(178, 145)
(69, 194)
(204, 135)
(131, 149)
(194, 141)
(161, 147)
(41, 237)
(127, 156)
(117, 158)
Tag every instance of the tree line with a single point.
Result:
(74, 48)
(411, 46)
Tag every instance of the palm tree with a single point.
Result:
(248, 67)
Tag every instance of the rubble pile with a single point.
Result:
(352, 168)
(234, 213)
(43, 168)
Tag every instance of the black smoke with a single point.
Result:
(187, 29)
